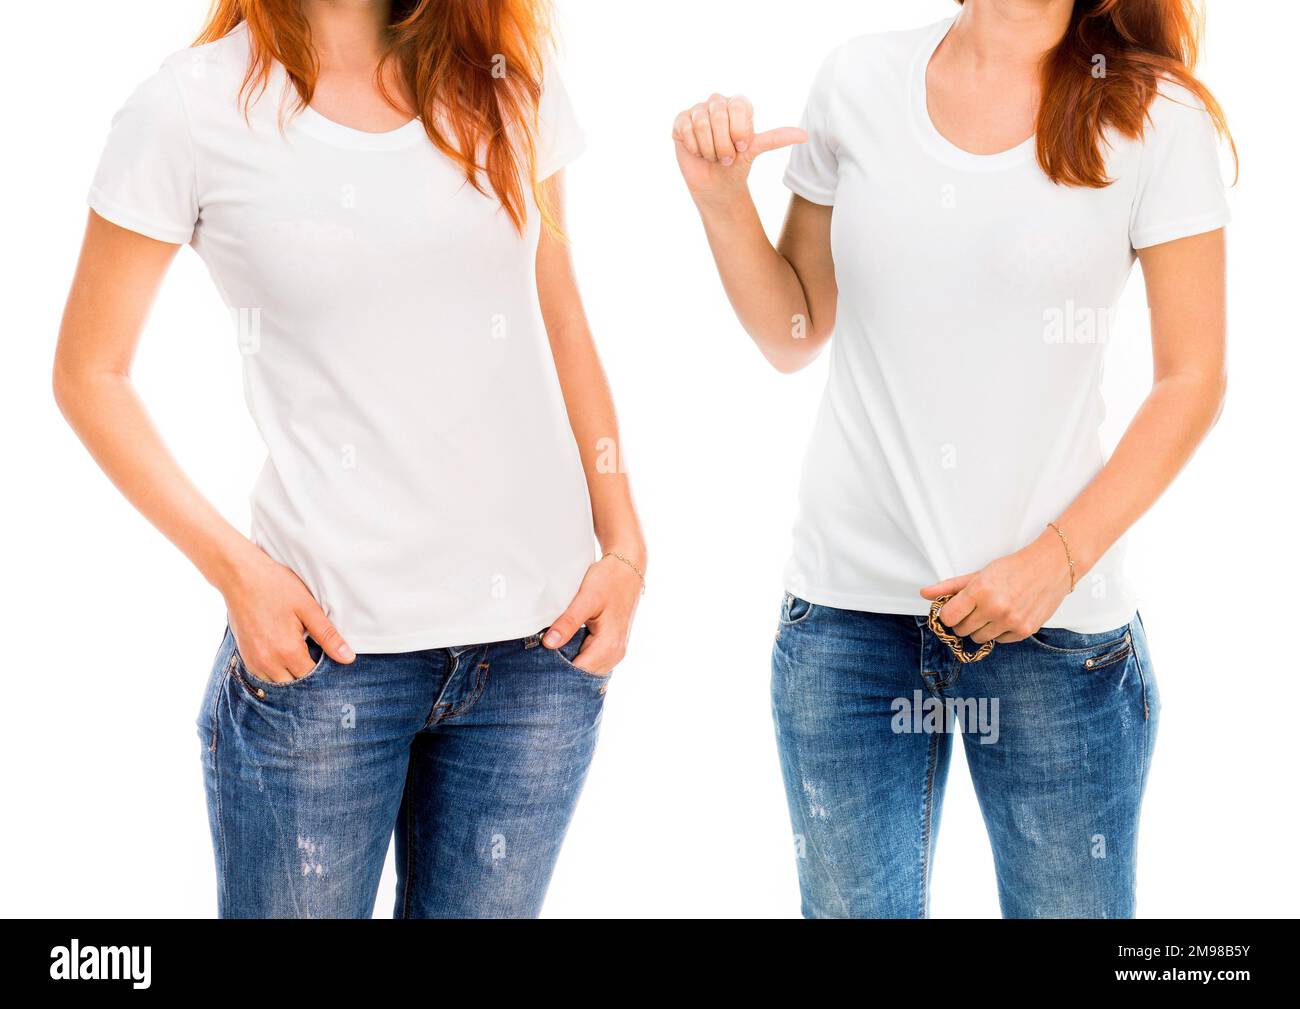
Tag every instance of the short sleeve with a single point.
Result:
(1180, 188)
(146, 176)
(559, 137)
(813, 169)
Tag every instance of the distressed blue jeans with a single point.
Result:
(1058, 732)
(473, 757)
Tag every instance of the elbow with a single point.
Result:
(69, 388)
(61, 386)
(1218, 397)
(786, 364)
(793, 355)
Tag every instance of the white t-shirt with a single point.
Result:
(422, 477)
(976, 298)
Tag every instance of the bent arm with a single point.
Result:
(785, 295)
(1185, 282)
(1011, 597)
(268, 607)
(117, 278)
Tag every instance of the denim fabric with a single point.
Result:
(1058, 731)
(473, 756)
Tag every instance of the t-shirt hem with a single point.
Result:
(449, 637)
(1095, 622)
(813, 194)
(123, 217)
(859, 602)
(1160, 234)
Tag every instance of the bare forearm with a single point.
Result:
(763, 287)
(112, 423)
(592, 417)
(1165, 432)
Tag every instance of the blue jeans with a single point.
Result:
(1058, 731)
(474, 756)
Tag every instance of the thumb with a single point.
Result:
(326, 634)
(949, 587)
(567, 623)
(782, 136)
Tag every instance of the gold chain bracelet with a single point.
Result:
(630, 563)
(1069, 557)
(952, 640)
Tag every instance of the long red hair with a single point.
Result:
(472, 68)
(1142, 43)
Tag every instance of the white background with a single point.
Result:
(108, 634)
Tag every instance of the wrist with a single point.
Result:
(620, 531)
(626, 550)
(1056, 553)
(725, 206)
(1084, 549)
(630, 566)
(226, 564)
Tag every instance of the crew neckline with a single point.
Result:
(331, 132)
(313, 124)
(935, 142)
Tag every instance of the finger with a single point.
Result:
(703, 131)
(325, 634)
(684, 133)
(301, 664)
(950, 587)
(720, 124)
(741, 114)
(989, 632)
(966, 628)
(567, 623)
(782, 136)
(1010, 638)
(956, 609)
(598, 657)
(271, 671)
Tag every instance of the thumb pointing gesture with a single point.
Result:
(782, 136)
(716, 143)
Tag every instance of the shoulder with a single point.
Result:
(1175, 107)
(550, 77)
(1175, 118)
(886, 47)
(1176, 121)
(210, 70)
(876, 59)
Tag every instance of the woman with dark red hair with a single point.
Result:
(420, 636)
(969, 199)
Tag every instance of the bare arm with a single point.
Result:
(607, 599)
(785, 295)
(117, 278)
(1012, 597)
(1185, 292)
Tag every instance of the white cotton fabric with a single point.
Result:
(976, 299)
(421, 476)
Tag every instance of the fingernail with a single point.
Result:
(742, 146)
(346, 653)
(728, 161)
(552, 639)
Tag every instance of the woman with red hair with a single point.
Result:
(420, 636)
(969, 199)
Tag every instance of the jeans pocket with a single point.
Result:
(257, 687)
(1095, 651)
(794, 610)
(568, 654)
